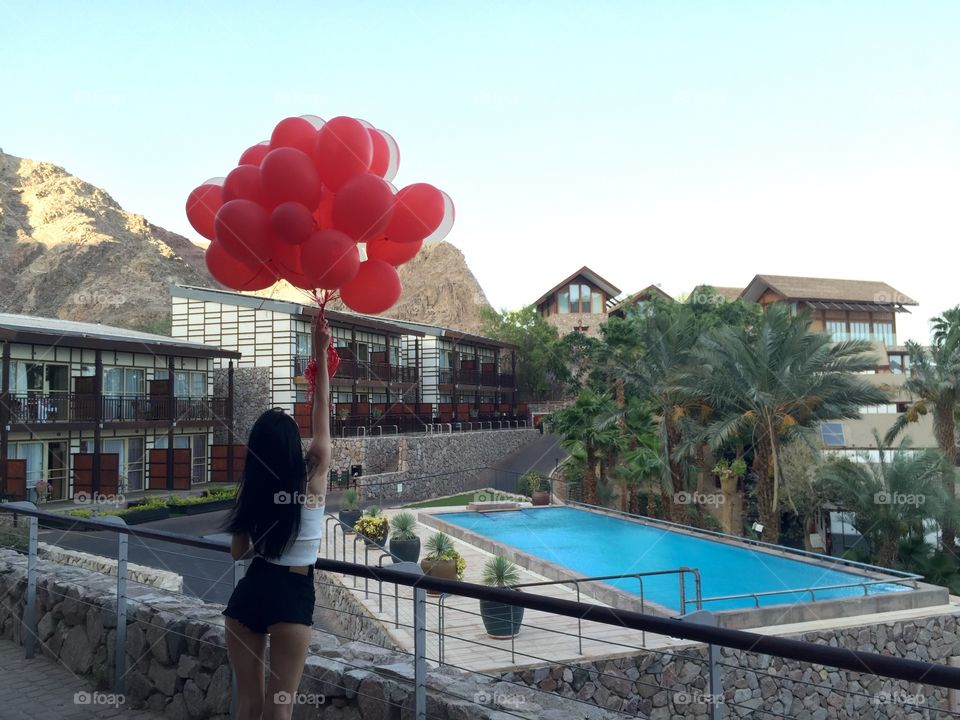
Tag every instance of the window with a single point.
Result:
(889, 408)
(123, 381)
(883, 331)
(597, 305)
(859, 330)
(832, 434)
(837, 329)
(579, 298)
(187, 383)
(563, 302)
(304, 345)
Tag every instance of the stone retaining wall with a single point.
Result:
(135, 573)
(177, 658)
(428, 454)
(661, 687)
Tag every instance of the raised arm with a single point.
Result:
(319, 451)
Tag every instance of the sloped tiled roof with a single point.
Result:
(609, 288)
(807, 288)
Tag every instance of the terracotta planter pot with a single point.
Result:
(446, 569)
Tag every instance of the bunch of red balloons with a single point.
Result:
(299, 206)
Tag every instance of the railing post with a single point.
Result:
(420, 652)
(239, 570)
(30, 613)
(120, 651)
(716, 683)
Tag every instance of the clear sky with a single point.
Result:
(669, 141)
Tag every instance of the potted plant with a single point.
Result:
(372, 527)
(349, 509)
(442, 559)
(501, 621)
(404, 544)
(540, 493)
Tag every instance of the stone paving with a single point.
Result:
(43, 689)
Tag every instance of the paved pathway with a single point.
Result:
(43, 689)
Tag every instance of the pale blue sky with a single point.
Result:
(665, 142)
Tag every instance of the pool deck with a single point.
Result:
(546, 639)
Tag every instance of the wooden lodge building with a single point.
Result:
(394, 376)
(94, 408)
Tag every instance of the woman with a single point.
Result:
(278, 521)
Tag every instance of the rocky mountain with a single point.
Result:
(68, 250)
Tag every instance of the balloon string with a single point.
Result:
(333, 358)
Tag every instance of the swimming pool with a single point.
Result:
(594, 544)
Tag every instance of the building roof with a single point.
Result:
(868, 292)
(609, 288)
(398, 327)
(69, 333)
(728, 293)
(640, 295)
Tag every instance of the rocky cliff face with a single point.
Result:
(68, 250)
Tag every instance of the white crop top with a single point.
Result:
(304, 550)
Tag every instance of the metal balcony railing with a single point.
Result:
(39, 408)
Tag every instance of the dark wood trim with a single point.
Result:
(229, 420)
(29, 337)
(171, 397)
(4, 414)
(98, 419)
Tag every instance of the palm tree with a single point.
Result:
(935, 383)
(946, 328)
(891, 499)
(666, 337)
(587, 423)
(772, 383)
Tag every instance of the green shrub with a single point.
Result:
(402, 525)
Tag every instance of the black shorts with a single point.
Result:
(270, 593)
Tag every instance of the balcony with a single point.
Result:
(72, 408)
(359, 370)
(481, 378)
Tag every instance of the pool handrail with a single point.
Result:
(813, 590)
(750, 541)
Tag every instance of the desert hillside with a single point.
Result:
(68, 250)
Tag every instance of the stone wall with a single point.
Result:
(252, 393)
(177, 659)
(163, 579)
(663, 686)
(429, 454)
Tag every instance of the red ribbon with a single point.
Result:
(333, 359)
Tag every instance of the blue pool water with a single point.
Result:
(593, 544)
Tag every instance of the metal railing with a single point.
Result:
(692, 629)
(34, 408)
(680, 572)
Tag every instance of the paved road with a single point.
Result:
(44, 689)
(207, 574)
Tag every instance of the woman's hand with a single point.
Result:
(321, 337)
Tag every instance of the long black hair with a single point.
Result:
(272, 487)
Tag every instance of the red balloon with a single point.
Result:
(295, 132)
(254, 154)
(289, 175)
(202, 205)
(386, 154)
(343, 150)
(286, 259)
(243, 182)
(392, 252)
(449, 215)
(243, 228)
(419, 210)
(324, 212)
(376, 288)
(363, 207)
(330, 258)
(233, 273)
(292, 222)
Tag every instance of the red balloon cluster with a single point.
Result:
(299, 206)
